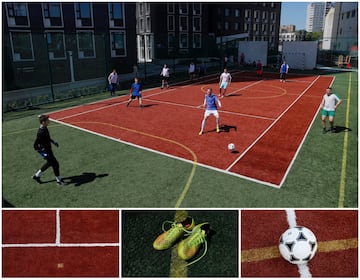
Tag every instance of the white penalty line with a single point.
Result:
(303, 269)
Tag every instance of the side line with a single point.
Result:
(270, 126)
(345, 148)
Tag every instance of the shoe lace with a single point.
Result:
(173, 229)
(198, 239)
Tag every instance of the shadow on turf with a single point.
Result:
(79, 180)
(339, 129)
(6, 204)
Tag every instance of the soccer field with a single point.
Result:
(122, 169)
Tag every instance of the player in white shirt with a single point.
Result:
(225, 80)
(329, 105)
(165, 73)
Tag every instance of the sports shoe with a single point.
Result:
(170, 236)
(217, 130)
(324, 131)
(61, 183)
(188, 247)
(37, 179)
(200, 133)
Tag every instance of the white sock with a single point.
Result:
(38, 173)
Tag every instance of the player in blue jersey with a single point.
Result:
(211, 104)
(329, 105)
(135, 92)
(284, 69)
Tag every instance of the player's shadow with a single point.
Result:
(227, 128)
(84, 178)
(233, 94)
(339, 129)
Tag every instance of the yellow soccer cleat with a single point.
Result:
(189, 247)
(169, 237)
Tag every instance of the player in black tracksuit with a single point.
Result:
(42, 145)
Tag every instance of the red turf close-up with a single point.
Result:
(60, 243)
(255, 115)
(336, 232)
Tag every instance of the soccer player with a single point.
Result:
(210, 103)
(259, 69)
(284, 69)
(225, 80)
(165, 73)
(329, 105)
(191, 71)
(135, 92)
(42, 145)
(113, 80)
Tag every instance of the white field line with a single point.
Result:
(57, 240)
(58, 230)
(303, 269)
(302, 142)
(271, 125)
(42, 245)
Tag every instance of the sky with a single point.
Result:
(294, 13)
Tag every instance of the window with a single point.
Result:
(171, 40)
(141, 25)
(265, 15)
(118, 44)
(227, 12)
(183, 23)
(171, 23)
(348, 14)
(83, 12)
(237, 13)
(86, 45)
(183, 8)
(171, 8)
(196, 41)
(21, 44)
(257, 15)
(17, 14)
(141, 9)
(247, 15)
(197, 24)
(56, 45)
(353, 13)
(148, 24)
(226, 25)
(236, 26)
(184, 41)
(246, 27)
(116, 14)
(273, 16)
(52, 15)
(197, 9)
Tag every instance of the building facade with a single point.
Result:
(199, 29)
(315, 14)
(59, 42)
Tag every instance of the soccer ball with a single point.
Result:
(298, 245)
(231, 147)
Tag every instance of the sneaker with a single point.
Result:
(37, 179)
(324, 131)
(200, 133)
(169, 237)
(189, 247)
(61, 183)
(217, 130)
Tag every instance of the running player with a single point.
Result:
(210, 103)
(225, 80)
(135, 92)
(329, 105)
(42, 145)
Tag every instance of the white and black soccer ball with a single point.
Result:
(231, 147)
(298, 245)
